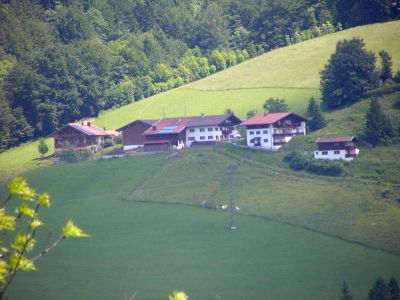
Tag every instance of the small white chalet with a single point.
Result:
(272, 130)
(339, 147)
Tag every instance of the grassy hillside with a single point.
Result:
(298, 66)
(283, 72)
(291, 73)
(155, 248)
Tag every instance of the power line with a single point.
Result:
(231, 209)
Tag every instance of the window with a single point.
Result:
(209, 129)
(202, 130)
(336, 152)
(251, 132)
(265, 140)
(191, 138)
(316, 152)
(265, 131)
(216, 129)
(191, 129)
(221, 137)
(258, 132)
(202, 137)
(210, 137)
(217, 137)
(324, 153)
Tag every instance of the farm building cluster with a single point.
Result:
(269, 131)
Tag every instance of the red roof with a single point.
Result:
(335, 139)
(88, 129)
(167, 126)
(156, 142)
(269, 118)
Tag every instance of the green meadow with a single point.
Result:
(291, 72)
(153, 248)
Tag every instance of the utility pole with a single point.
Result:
(229, 174)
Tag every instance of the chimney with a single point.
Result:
(202, 115)
(89, 123)
(154, 127)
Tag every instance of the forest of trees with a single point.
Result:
(61, 60)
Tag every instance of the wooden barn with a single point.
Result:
(132, 133)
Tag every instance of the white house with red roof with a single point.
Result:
(338, 147)
(272, 130)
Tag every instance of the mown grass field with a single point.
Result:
(155, 248)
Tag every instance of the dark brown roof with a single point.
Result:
(212, 120)
(335, 139)
(269, 118)
(148, 122)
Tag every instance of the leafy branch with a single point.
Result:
(13, 257)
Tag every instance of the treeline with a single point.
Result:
(61, 60)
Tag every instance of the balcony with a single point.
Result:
(285, 134)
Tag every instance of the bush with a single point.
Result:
(70, 154)
(297, 161)
(325, 167)
(118, 139)
(108, 143)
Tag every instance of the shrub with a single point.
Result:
(118, 139)
(325, 167)
(297, 161)
(108, 143)
(70, 154)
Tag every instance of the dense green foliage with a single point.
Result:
(64, 60)
(349, 73)
(70, 154)
(298, 162)
(386, 63)
(273, 105)
(317, 120)
(378, 127)
(43, 148)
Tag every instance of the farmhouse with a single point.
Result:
(132, 133)
(272, 130)
(81, 136)
(179, 132)
(340, 147)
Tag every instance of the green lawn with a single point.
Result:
(25, 157)
(174, 103)
(155, 248)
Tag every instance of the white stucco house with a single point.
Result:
(339, 147)
(272, 130)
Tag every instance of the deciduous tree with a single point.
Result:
(349, 73)
(273, 105)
